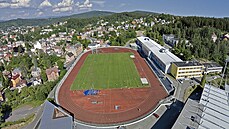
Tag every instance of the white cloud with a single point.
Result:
(62, 9)
(84, 5)
(4, 4)
(20, 3)
(15, 4)
(64, 6)
(65, 3)
(45, 3)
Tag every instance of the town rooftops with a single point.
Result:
(187, 63)
(165, 55)
(55, 118)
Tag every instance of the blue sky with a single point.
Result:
(11, 9)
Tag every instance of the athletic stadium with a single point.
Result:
(110, 86)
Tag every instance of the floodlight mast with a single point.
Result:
(224, 70)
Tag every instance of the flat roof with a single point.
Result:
(187, 63)
(211, 112)
(212, 64)
(163, 54)
(49, 121)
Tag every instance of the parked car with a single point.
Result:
(156, 115)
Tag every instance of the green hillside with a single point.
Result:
(91, 14)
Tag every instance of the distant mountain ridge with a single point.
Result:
(46, 21)
(90, 14)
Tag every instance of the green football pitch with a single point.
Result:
(104, 71)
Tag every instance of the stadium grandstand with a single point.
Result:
(156, 53)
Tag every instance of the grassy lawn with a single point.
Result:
(34, 103)
(18, 124)
(102, 71)
(189, 91)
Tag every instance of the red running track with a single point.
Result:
(133, 102)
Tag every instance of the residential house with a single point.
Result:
(36, 82)
(69, 57)
(52, 73)
(93, 45)
(36, 73)
(170, 40)
(37, 45)
(79, 37)
(225, 37)
(57, 50)
(7, 57)
(75, 49)
(139, 33)
(214, 37)
(6, 73)
(16, 71)
(16, 80)
(22, 83)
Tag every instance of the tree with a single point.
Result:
(1, 116)
(21, 49)
(60, 64)
(40, 95)
(203, 80)
(43, 76)
(6, 82)
(2, 67)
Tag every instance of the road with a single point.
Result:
(181, 87)
(22, 112)
(169, 117)
(33, 124)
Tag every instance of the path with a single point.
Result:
(22, 112)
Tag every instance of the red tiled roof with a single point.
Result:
(50, 70)
(8, 55)
(15, 77)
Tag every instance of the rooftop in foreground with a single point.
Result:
(55, 118)
(212, 112)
